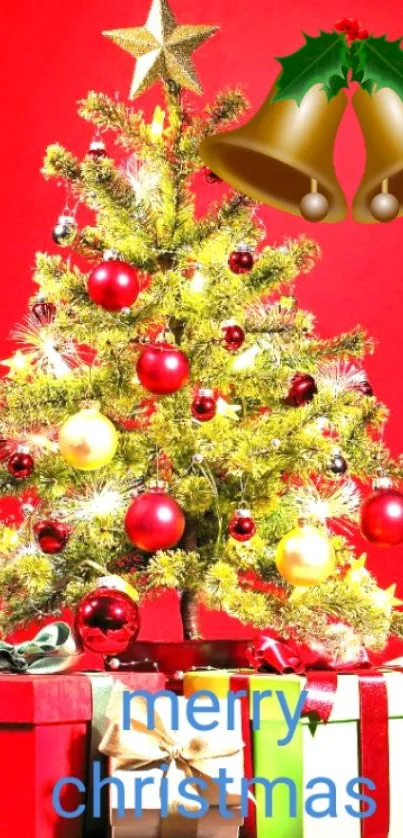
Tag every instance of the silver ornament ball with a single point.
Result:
(385, 207)
(314, 206)
(64, 231)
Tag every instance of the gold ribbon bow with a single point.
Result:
(201, 755)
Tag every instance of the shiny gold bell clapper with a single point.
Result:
(284, 156)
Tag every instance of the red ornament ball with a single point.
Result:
(382, 518)
(52, 536)
(106, 621)
(234, 337)
(114, 285)
(241, 260)
(204, 406)
(154, 521)
(44, 312)
(11, 511)
(303, 389)
(242, 526)
(21, 465)
(162, 368)
(97, 150)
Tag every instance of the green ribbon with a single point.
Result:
(52, 650)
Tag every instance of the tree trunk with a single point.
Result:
(190, 615)
(188, 600)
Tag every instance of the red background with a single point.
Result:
(53, 53)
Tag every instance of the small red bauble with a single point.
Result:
(11, 511)
(303, 389)
(52, 536)
(204, 406)
(241, 260)
(234, 337)
(106, 621)
(242, 526)
(162, 369)
(114, 285)
(382, 518)
(44, 312)
(21, 465)
(97, 150)
(154, 521)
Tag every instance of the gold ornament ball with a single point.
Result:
(385, 207)
(314, 206)
(305, 556)
(88, 440)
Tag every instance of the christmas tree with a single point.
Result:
(170, 414)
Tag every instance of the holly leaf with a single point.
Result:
(378, 63)
(323, 59)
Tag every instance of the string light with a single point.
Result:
(198, 282)
(340, 377)
(97, 501)
(142, 179)
(246, 360)
(50, 352)
(157, 125)
(328, 502)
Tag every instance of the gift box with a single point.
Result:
(351, 726)
(50, 726)
(158, 755)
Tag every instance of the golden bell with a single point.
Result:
(380, 115)
(284, 152)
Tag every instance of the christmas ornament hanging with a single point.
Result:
(52, 536)
(242, 526)
(382, 517)
(338, 465)
(241, 260)
(234, 336)
(97, 149)
(88, 440)
(162, 368)
(114, 285)
(106, 620)
(163, 49)
(44, 311)
(305, 556)
(204, 405)
(65, 230)
(154, 521)
(21, 464)
(302, 390)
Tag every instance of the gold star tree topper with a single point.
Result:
(163, 49)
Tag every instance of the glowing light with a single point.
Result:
(247, 359)
(157, 125)
(53, 353)
(142, 180)
(226, 409)
(327, 502)
(198, 282)
(97, 501)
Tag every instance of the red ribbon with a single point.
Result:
(271, 654)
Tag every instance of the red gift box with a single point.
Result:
(45, 731)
